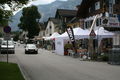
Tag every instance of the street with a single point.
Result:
(48, 66)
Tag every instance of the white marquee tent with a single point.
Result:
(54, 35)
(79, 33)
(102, 33)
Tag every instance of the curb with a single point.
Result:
(24, 74)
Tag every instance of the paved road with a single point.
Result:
(49, 66)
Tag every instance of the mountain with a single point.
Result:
(46, 11)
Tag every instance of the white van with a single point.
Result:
(11, 47)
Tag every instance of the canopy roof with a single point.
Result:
(54, 35)
(101, 32)
(78, 33)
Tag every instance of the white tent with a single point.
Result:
(59, 41)
(64, 35)
(102, 33)
(79, 33)
(54, 35)
(45, 38)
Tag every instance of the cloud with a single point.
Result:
(37, 2)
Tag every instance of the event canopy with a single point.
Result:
(102, 33)
(54, 35)
(79, 33)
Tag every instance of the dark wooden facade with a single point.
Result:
(87, 9)
(83, 9)
(65, 16)
(117, 7)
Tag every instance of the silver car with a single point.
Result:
(31, 48)
(10, 48)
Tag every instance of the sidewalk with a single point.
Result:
(11, 58)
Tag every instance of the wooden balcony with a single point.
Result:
(116, 8)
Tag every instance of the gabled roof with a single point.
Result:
(66, 12)
(42, 26)
(55, 21)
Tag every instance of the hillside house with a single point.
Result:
(53, 25)
(107, 11)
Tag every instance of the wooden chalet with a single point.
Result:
(90, 8)
(65, 16)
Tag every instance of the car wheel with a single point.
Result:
(13, 52)
(25, 52)
(36, 52)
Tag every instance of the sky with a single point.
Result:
(37, 2)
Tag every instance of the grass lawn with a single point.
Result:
(10, 71)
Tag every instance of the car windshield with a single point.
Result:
(31, 46)
(9, 43)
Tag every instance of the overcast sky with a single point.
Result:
(36, 2)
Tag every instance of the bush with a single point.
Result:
(103, 57)
(94, 57)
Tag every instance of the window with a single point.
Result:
(117, 1)
(97, 22)
(100, 21)
(97, 5)
(85, 24)
(89, 10)
(88, 24)
(50, 27)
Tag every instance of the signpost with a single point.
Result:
(91, 48)
(7, 30)
(92, 34)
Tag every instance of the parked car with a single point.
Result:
(10, 47)
(31, 48)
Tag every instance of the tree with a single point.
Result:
(29, 21)
(4, 17)
(13, 4)
(16, 35)
(5, 14)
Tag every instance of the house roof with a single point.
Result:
(66, 12)
(55, 21)
(42, 26)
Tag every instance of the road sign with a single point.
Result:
(7, 36)
(7, 29)
(92, 34)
